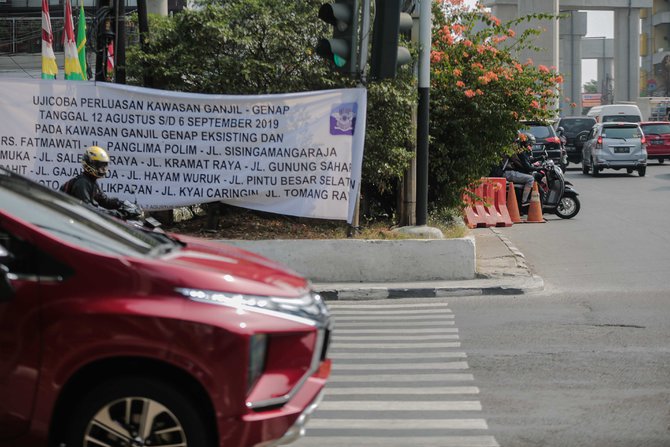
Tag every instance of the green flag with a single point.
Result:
(81, 40)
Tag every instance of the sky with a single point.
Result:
(598, 24)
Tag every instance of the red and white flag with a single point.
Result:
(72, 65)
(110, 60)
(49, 67)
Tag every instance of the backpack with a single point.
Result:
(67, 186)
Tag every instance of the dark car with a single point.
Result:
(570, 127)
(115, 336)
(546, 139)
(658, 139)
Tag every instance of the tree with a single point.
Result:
(591, 86)
(479, 93)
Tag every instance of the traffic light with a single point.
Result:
(390, 22)
(342, 48)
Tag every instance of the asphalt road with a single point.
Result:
(586, 362)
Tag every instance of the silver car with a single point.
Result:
(615, 145)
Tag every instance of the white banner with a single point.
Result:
(298, 154)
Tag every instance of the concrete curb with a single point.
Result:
(371, 261)
(425, 289)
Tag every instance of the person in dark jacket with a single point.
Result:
(85, 187)
(518, 168)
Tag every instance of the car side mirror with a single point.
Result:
(6, 288)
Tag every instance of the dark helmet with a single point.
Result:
(95, 161)
(525, 140)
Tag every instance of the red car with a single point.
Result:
(658, 139)
(114, 336)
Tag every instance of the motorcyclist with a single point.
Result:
(85, 187)
(518, 168)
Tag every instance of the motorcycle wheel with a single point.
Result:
(568, 207)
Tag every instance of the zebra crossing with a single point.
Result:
(399, 379)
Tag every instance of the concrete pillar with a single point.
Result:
(548, 40)
(505, 10)
(627, 50)
(572, 29)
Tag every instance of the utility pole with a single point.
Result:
(423, 114)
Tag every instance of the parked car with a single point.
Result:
(657, 134)
(570, 127)
(546, 139)
(614, 145)
(114, 336)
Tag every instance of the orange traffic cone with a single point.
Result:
(535, 207)
(512, 204)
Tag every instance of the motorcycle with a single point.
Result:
(557, 195)
(132, 214)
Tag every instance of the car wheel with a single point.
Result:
(629, 170)
(595, 171)
(661, 161)
(136, 411)
(642, 171)
(568, 207)
(585, 169)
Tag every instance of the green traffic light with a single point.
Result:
(339, 61)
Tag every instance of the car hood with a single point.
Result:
(210, 265)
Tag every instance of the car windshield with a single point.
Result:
(621, 119)
(621, 132)
(541, 132)
(67, 219)
(574, 126)
(658, 129)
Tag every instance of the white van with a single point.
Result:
(628, 113)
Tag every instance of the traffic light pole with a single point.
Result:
(363, 62)
(423, 117)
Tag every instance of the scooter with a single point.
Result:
(557, 196)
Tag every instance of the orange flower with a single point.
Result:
(495, 20)
(436, 56)
(460, 84)
(511, 32)
(467, 43)
(535, 104)
(479, 92)
(573, 105)
(543, 69)
(469, 93)
(457, 72)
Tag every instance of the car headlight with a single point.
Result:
(308, 309)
